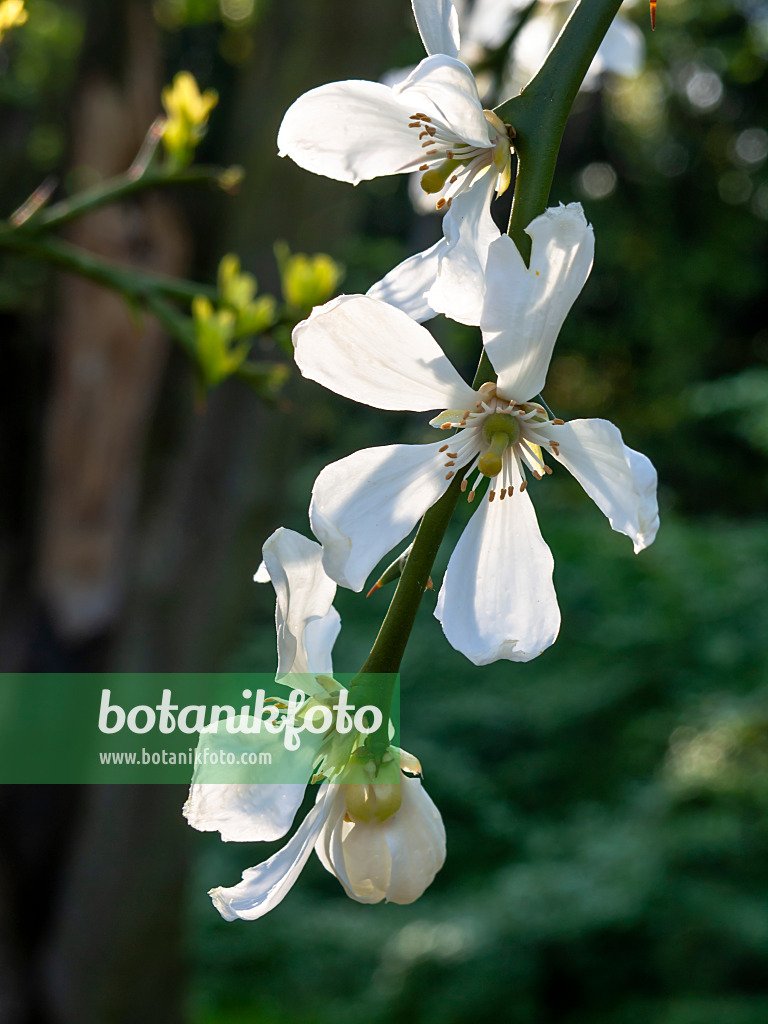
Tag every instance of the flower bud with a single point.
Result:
(188, 110)
(393, 859)
(307, 281)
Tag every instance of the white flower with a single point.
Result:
(448, 277)
(382, 841)
(621, 52)
(432, 122)
(393, 859)
(307, 627)
(497, 599)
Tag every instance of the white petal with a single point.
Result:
(351, 131)
(362, 506)
(407, 285)
(394, 860)
(497, 599)
(620, 481)
(525, 306)
(416, 842)
(367, 861)
(304, 592)
(373, 353)
(646, 482)
(490, 21)
(622, 50)
(265, 885)
(445, 89)
(262, 574)
(243, 813)
(243, 801)
(329, 846)
(438, 25)
(532, 44)
(469, 231)
(319, 637)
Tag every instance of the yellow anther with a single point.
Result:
(495, 121)
(502, 158)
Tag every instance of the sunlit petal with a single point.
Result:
(445, 89)
(525, 306)
(362, 506)
(374, 353)
(304, 594)
(407, 285)
(497, 599)
(438, 25)
(620, 481)
(351, 131)
(469, 230)
(265, 886)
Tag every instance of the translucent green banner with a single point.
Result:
(166, 727)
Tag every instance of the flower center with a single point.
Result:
(500, 430)
(499, 440)
(453, 164)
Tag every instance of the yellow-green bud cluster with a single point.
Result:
(223, 334)
(12, 15)
(307, 281)
(187, 112)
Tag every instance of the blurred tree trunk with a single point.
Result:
(128, 580)
(94, 948)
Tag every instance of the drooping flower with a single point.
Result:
(307, 626)
(497, 599)
(433, 123)
(382, 842)
(377, 831)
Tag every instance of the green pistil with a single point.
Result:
(501, 430)
(434, 179)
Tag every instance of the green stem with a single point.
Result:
(373, 689)
(538, 115)
(122, 186)
(133, 284)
